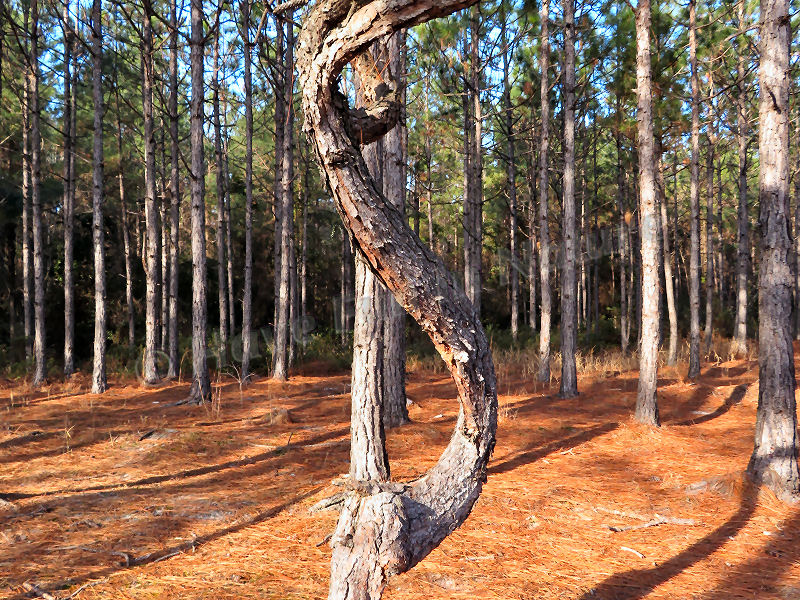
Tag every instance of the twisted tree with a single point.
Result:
(387, 528)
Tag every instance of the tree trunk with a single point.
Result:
(247, 292)
(672, 355)
(709, 287)
(282, 339)
(395, 411)
(544, 229)
(387, 529)
(68, 203)
(163, 243)
(473, 210)
(201, 384)
(694, 193)
(175, 194)
(153, 252)
(623, 241)
(774, 459)
(569, 376)
(27, 209)
(98, 196)
(646, 402)
(39, 343)
(278, 78)
(347, 291)
(126, 236)
(511, 185)
(221, 229)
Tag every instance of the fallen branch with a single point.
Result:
(35, 589)
(632, 551)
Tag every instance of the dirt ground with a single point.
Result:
(123, 496)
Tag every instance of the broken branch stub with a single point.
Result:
(388, 531)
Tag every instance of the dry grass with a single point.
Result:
(150, 501)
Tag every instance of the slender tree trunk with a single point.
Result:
(98, 196)
(672, 355)
(247, 292)
(126, 236)
(68, 203)
(39, 343)
(569, 376)
(544, 228)
(646, 401)
(175, 193)
(395, 412)
(694, 193)
(709, 287)
(221, 230)
(511, 177)
(164, 243)
(279, 70)
(384, 528)
(27, 209)
(228, 233)
(201, 384)
(774, 459)
(623, 241)
(743, 213)
(153, 253)
(347, 291)
(473, 210)
(282, 335)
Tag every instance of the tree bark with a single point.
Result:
(386, 529)
(672, 355)
(247, 292)
(222, 280)
(774, 459)
(544, 228)
(126, 236)
(569, 376)
(473, 199)
(201, 384)
(27, 209)
(153, 252)
(99, 384)
(68, 202)
(511, 185)
(694, 199)
(624, 324)
(175, 194)
(646, 401)
(709, 287)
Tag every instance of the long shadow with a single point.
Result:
(736, 396)
(231, 464)
(176, 549)
(100, 435)
(554, 446)
(33, 436)
(638, 583)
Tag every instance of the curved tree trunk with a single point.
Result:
(383, 528)
(569, 304)
(774, 459)
(646, 403)
(544, 228)
(694, 193)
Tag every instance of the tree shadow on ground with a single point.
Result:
(638, 583)
(735, 397)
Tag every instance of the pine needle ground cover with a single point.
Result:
(125, 496)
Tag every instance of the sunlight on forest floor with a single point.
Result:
(140, 499)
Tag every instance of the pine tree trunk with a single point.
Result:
(201, 384)
(623, 242)
(569, 317)
(228, 233)
(511, 177)
(247, 292)
(709, 287)
(646, 402)
(347, 290)
(280, 115)
(153, 252)
(395, 412)
(222, 279)
(98, 196)
(544, 228)
(672, 355)
(694, 193)
(774, 459)
(473, 210)
(27, 209)
(388, 528)
(175, 194)
(282, 334)
(39, 341)
(126, 236)
(163, 281)
(68, 203)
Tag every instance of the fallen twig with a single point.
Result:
(632, 551)
(653, 523)
(35, 589)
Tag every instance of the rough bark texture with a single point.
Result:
(222, 279)
(544, 228)
(98, 235)
(569, 316)
(201, 383)
(153, 253)
(386, 529)
(694, 200)
(247, 292)
(68, 202)
(174, 194)
(774, 459)
(39, 343)
(646, 403)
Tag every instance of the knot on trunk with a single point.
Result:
(370, 544)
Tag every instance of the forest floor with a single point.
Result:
(134, 498)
